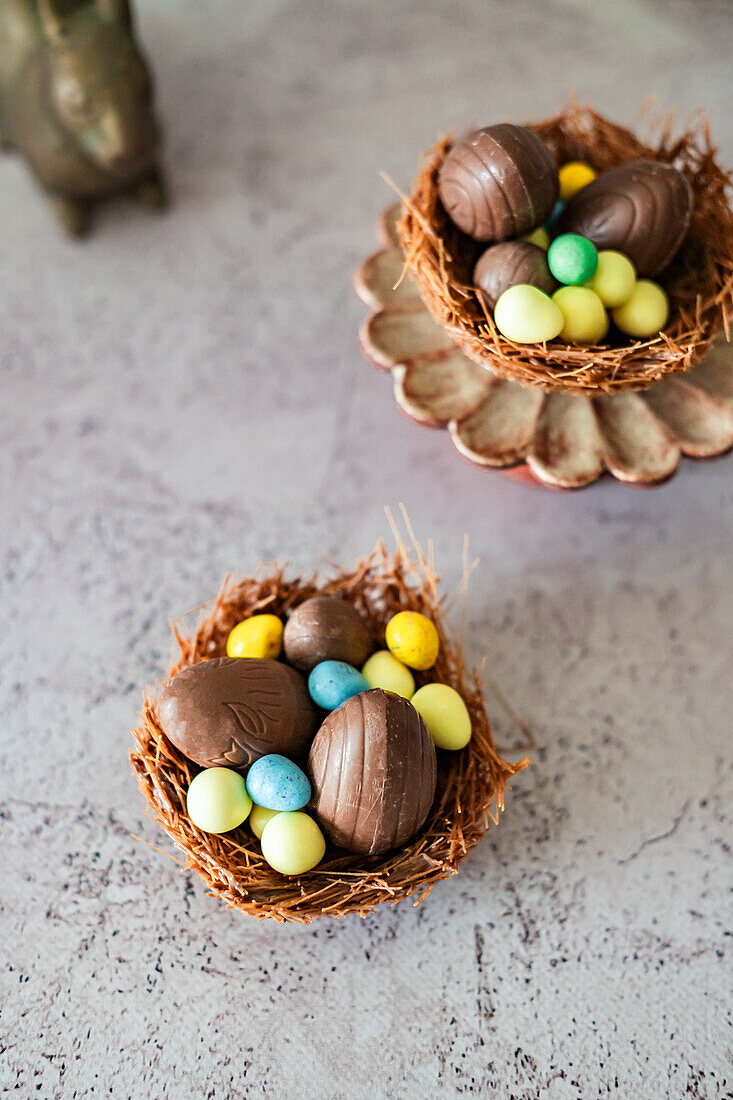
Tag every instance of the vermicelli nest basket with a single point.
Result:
(699, 281)
(471, 783)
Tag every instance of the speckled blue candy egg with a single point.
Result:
(331, 683)
(276, 783)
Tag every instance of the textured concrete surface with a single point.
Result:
(183, 396)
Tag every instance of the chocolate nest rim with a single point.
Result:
(471, 783)
(699, 281)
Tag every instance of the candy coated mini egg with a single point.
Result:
(574, 176)
(614, 279)
(572, 259)
(259, 636)
(331, 683)
(554, 217)
(538, 236)
(258, 818)
(445, 715)
(413, 639)
(292, 843)
(276, 783)
(585, 321)
(217, 800)
(527, 315)
(644, 312)
(384, 671)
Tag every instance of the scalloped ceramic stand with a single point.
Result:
(561, 441)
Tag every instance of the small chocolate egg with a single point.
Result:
(217, 800)
(276, 783)
(645, 311)
(527, 315)
(585, 321)
(258, 818)
(292, 843)
(445, 714)
(614, 279)
(574, 176)
(572, 259)
(259, 636)
(229, 710)
(383, 670)
(413, 639)
(498, 182)
(511, 263)
(326, 628)
(331, 683)
(641, 209)
(373, 769)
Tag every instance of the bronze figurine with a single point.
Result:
(76, 101)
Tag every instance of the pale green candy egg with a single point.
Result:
(292, 843)
(645, 312)
(383, 670)
(614, 279)
(585, 321)
(217, 800)
(259, 817)
(538, 236)
(445, 715)
(526, 315)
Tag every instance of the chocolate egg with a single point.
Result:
(326, 628)
(229, 711)
(373, 771)
(641, 209)
(511, 263)
(498, 182)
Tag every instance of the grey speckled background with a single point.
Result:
(186, 398)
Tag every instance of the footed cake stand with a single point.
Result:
(560, 440)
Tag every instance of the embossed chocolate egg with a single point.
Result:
(373, 771)
(498, 182)
(326, 628)
(641, 209)
(511, 263)
(229, 711)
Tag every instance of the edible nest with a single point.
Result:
(471, 783)
(699, 281)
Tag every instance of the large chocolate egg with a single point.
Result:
(511, 263)
(229, 711)
(326, 628)
(373, 772)
(498, 182)
(642, 209)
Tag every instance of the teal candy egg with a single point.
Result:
(554, 218)
(276, 783)
(331, 683)
(572, 259)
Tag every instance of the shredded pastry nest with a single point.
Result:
(699, 280)
(471, 783)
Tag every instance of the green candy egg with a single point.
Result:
(572, 259)
(526, 315)
(217, 800)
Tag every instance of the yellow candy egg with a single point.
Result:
(526, 315)
(259, 817)
(413, 639)
(445, 715)
(292, 843)
(217, 800)
(574, 176)
(383, 670)
(644, 312)
(258, 636)
(614, 279)
(538, 236)
(585, 321)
